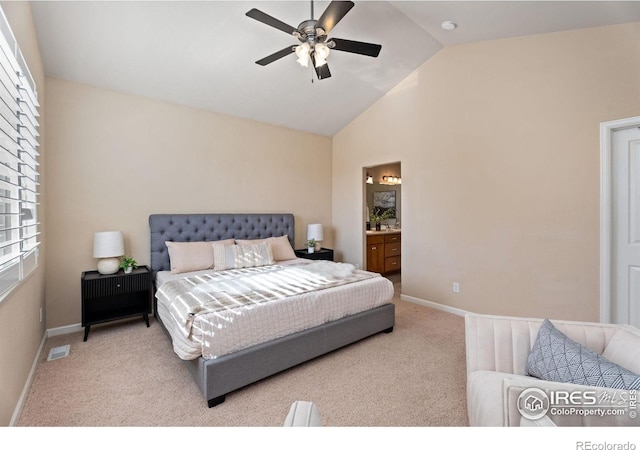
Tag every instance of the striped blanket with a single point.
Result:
(207, 306)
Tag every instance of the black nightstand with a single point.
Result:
(325, 254)
(117, 296)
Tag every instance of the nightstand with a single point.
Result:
(118, 296)
(322, 254)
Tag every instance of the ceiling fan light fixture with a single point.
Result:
(313, 35)
(321, 52)
(302, 52)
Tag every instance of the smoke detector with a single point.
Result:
(449, 25)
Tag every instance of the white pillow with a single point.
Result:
(241, 256)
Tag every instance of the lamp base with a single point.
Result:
(108, 266)
(318, 246)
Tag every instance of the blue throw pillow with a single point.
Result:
(556, 357)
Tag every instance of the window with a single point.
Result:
(19, 177)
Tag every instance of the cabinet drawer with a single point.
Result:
(375, 240)
(392, 249)
(376, 249)
(392, 238)
(103, 287)
(391, 264)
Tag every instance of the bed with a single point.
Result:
(221, 369)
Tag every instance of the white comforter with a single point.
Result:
(212, 314)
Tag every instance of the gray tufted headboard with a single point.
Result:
(212, 227)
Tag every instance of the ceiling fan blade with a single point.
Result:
(323, 71)
(333, 14)
(276, 56)
(271, 21)
(361, 48)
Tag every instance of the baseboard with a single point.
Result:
(438, 306)
(68, 329)
(27, 385)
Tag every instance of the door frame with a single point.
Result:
(606, 210)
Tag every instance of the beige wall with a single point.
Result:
(499, 145)
(21, 331)
(500, 164)
(116, 158)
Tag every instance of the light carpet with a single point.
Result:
(127, 375)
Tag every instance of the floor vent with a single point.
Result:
(58, 352)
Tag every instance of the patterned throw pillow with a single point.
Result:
(556, 357)
(242, 256)
(280, 246)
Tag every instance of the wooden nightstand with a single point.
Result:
(322, 254)
(117, 296)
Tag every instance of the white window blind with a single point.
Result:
(19, 177)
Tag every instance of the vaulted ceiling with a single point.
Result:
(202, 53)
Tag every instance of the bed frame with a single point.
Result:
(220, 376)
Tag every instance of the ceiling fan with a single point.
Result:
(315, 42)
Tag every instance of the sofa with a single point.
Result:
(303, 414)
(498, 357)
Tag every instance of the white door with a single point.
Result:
(625, 160)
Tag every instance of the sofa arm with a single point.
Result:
(544, 421)
(605, 400)
(303, 414)
(500, 344)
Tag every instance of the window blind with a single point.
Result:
(19, 177)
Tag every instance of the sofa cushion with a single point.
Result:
(624, 349)
(556, 357)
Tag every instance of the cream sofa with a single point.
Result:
(497, 349)
(303, 414)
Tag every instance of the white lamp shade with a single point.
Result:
(108, 244)
(314, 231)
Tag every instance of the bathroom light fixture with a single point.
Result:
(391, 180)
(369, 179)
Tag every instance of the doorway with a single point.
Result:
(382, 219)
(620, 222)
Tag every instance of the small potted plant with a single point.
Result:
(311, 245)
(386, 215)
(375, 218)
(128, 264)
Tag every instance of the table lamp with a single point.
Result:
(108, 246)
(315, 232)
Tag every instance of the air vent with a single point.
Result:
(58, 352)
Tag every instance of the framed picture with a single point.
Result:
(383, 201)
